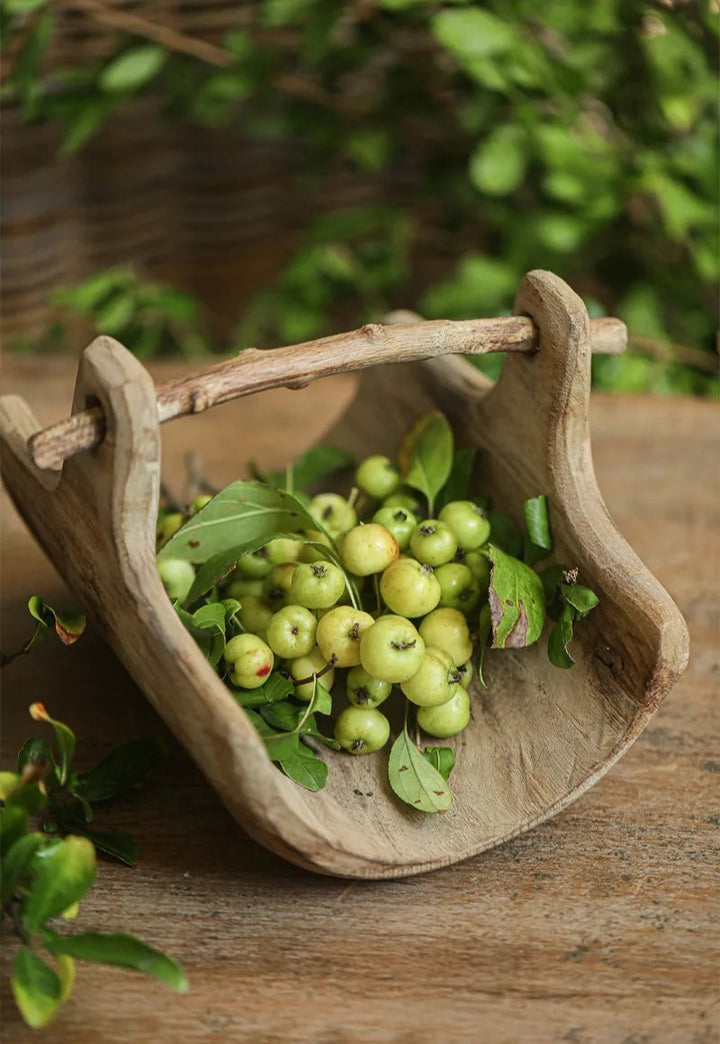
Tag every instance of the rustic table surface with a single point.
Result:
(595, 927)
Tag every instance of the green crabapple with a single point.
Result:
(410, 588)
(459, 588)
(407, 498)
(368, 549)
(448, 629)
(254, 565)
(277, 586)
(433, 542)
(378, 477)
(239, 588)
(314, 554)
(391, 649)
(249, 660)
(199, 503)
(479, 566)
(255, 615)
(317, 585)
(339, 633)
(283, 549)
(177, 577)
(305, 667)
(365, 691)
(167, 527)
(433, 682)
(362, 730)
(464, 674)
(333, 513)
(398, 521)
(291, 632)
(468, 522)
(447, 719)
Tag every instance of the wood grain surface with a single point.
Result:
(595, 927)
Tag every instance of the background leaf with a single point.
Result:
(457, 486)
(441, 758)
(133, 69)
(537, 522)
(559, 639)
(64, 737)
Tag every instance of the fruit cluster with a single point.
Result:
(424, 576)
(290, 591)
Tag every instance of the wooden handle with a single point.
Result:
(296, 366)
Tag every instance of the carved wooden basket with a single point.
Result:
(539, 736)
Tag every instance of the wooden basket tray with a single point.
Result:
(539, 736)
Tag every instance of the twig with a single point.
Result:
(670, 352)
(298, 365)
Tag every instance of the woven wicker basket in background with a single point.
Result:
(207, 209)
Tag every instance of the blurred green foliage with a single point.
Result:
(503, 136)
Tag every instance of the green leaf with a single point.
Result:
(280, 746)
(484, 633)
(123, 951)
(124, 768)
(317, 463)
(277, 688)
(426, 456)
(68, 625)
(237, 521)
(457, 486)
(64, 737)
(582, 599)
(63, 873)
(23, 7)
(114, 843)
(535, 513)
(133, 69)
(33, 750)
(36, 988)
(472, 34)
(15, 863)
(559, 639)
(497, 166)
(517, 602)
(441, 758)
(414, 779)
(506, 533)
(306, 769)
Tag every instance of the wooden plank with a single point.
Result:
(596, 927)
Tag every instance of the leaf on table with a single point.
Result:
(64, 737)
(459, 481)
(36, 988)
(278, 687)
(124, 951)
(426, 456)
(63, 873)
(306, 769)
(517, 602)
(113, 843)
(124, 768)
(414, 779)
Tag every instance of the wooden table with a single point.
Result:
(595, 927)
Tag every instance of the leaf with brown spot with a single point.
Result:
(517, 602)
(414, 779)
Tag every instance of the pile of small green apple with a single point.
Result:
(421, 581)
